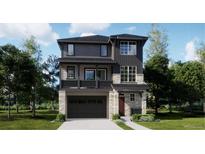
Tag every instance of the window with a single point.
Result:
(89, 74)
(103, 50)
(71, 72)
(128, 73)
(70, 49)
(132, 97)
(101, 74)
(128, 48)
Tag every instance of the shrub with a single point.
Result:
(143, 117)
(115, 116)
(60, 117)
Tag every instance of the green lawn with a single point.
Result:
(176, 121)
(123, 125)
(24, 121)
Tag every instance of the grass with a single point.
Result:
(24, 121)
(123, 125)
(176, 121)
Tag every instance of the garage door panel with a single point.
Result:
(86, 107)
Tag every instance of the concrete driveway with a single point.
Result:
(89, 124)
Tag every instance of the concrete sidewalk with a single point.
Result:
(133, 124)
(89, 124)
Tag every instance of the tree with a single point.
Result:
(201, 52)
(191, 77)
(156, 67)
(51, 71)
(156, 71)
(33, 49)
(158, 41)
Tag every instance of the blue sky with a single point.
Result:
(183, 38)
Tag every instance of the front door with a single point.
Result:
(122, 105)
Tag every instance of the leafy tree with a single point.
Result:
(51, 72)
(156, 72)
(190, 77)
(201, 52)
(31, 47)
(158, 41)
(156, 67)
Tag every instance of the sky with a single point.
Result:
(183, 39)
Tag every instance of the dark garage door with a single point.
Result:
(86, 107)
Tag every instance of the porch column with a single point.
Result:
(144, 102)
(62, 101)
(79, 76)
(96, 77)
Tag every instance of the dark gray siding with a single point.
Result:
(84, 50)
(128, 60)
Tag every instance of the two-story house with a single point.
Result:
(101, 76)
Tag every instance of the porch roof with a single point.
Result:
(87, 60)
(130, 87)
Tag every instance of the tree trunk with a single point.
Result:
(170, 106)
(17, 106)
(9, 109)
(156, 106)
(33, 109)
(52, 105)
(190, 107)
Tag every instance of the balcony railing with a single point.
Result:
(86, 84)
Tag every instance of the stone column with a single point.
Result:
(144, 103)
(62, 101)
(113, 103)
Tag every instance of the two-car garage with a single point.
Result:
(86, 106)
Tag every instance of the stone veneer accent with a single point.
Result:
(116, 78)
(62, 101)
(132, 104)
(139, 103)
(139, 78)
(113, 103)
(144, 102)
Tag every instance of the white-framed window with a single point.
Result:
(128, 73)
(132, 97)
(103, 50)
(71, 72)
(70, 49)
(128, 48)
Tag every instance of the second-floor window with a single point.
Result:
(128, 48)
(70, 49)
(128, 73)
(90, 74)
(71, 72)
(103, 50)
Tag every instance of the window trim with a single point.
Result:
(128, 74)
(68, 49)
(74, 72)
(132, 97)
(101, 50)
(128, 45)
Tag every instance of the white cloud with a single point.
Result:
(87, 34)
(89, 28)
(190, 51)
(43, 32)
(131, 29)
